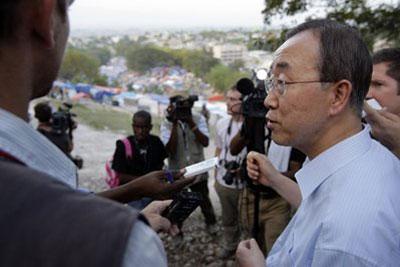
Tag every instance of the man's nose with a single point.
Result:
(271, 101)
(370, 93)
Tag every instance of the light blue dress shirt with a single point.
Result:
(350, 213)
(19, 139)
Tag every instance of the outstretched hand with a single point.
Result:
(159, 224)
(156, 185)
(385, 127)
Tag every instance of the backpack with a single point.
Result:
(112, 176)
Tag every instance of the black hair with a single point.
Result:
(343, 55)
(175, 98)
(144, 115)
(43, 112)
(391, 56)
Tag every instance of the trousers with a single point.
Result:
(274, 215)
(205, 206)
(229, 199)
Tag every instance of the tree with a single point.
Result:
(375, 21)
(237, 64)
(222, 77)
(145, 58)
(103, 54)
(80, 66)
(199, 62)
(124, 46)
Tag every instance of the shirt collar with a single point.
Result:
(22, 141)
(315, 172)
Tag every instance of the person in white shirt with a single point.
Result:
(228, 183)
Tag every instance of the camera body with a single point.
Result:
(59, 123)
(62, 120)
(181, 108)
(253, 98)
(231, 174)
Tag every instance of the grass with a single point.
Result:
(102, 117)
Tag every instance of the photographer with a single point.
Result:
(228, 183)
(185, 135)
(61, 139)
(262, 210)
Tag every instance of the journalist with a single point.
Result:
(185, 135)
(44, 220)
(228, 182)
(347, 215)
(43, 113)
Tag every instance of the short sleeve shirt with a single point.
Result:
(144, 159)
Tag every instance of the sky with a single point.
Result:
(120, 14)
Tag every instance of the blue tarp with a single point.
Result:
(63, 85)
(100, 95)
(160, 99)
(82, 87)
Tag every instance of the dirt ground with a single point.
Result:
(197, 248)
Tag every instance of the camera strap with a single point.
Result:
(227, 136)
(185, 140)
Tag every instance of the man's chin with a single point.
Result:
(42, 91)
(280, 139)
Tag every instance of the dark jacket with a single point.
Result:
(44, 222)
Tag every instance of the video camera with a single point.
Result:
(62, 121)
(254, 95)
(181, 108)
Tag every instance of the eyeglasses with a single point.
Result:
(280, 86)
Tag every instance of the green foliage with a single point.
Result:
(375, 21)
(80, 66)
(102, 117)
(199, 62)
(268, 42)
(237, 64)
(145, 58)
(101, 80)
(222, 77)
(124, 46)
(103, 54)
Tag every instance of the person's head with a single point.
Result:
(385, 83)
(33, 35)
(43, 112)
(320, 77)
(141, 124)
(233, 101)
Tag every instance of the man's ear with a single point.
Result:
(43, 21)
(340, 96)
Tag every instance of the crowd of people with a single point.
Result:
(324, 191)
